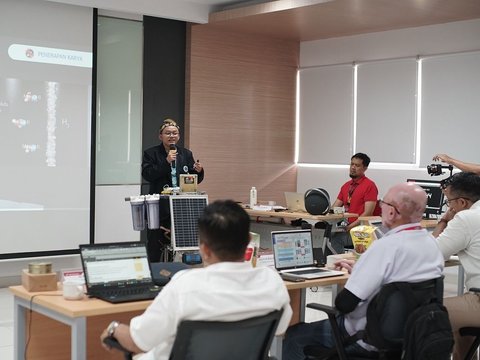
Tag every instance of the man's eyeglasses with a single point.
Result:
(447, 202)
(171, 134)
(386, 203)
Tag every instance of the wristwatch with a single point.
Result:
(112, 327)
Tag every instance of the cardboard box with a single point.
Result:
(39, 282)
(188, 183)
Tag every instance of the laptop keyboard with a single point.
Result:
(127, 291)
(303, 272)
(129, 294)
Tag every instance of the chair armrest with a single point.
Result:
(325, 308)
(113, 343)
(469, 331)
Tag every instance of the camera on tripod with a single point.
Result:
(436, 169)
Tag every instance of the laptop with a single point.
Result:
(295, 201)
(118, 272)
(293, 255)
(380, 229)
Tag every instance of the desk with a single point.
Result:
(52, 315)
(298, 215)
(298, 290)
(426, 223)
(267, 217)
(298, 293)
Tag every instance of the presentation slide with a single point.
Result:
(45, 126)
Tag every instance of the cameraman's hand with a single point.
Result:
(443, 158)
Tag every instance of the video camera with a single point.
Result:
(436, 169)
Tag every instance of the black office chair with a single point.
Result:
(248, 339)
(472, 331)
(386, 332)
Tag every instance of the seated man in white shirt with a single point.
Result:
(226, 289)
(458, 232)
(405, 253)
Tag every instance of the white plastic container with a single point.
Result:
(253, 197)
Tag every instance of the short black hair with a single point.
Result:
(466, 185)
(225, 227)
(364, 157)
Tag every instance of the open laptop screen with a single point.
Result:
(115, 264)
(292, 248)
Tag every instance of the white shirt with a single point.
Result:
(226, 291)
(403, 254)
(462, 237)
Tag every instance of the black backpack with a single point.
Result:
(406, 319)
(428, 334)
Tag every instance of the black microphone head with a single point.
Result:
(173, 147)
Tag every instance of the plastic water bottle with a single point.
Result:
(253, 197)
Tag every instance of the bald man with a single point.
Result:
(406, 253)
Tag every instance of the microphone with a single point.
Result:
(173, 148)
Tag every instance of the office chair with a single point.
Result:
(472, 331)
(386, 332)
(248, 339)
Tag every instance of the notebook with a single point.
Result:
(293, 254)
(118, 272)
(295, 201)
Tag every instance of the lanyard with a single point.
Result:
(351, 189)
(416, 227)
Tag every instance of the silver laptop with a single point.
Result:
(295, 201)
(118, 272)
(293, 254)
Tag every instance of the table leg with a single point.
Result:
(78, 336)
(460, 280)
(19, 316)
(276, 347)
(78, 328)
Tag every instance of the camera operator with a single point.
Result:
(463, 166)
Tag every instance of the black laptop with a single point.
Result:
(118, 272)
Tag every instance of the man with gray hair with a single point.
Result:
(407, 252)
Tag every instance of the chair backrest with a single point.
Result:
(248, 339)
(388, 311)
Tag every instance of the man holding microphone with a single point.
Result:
(161, 167)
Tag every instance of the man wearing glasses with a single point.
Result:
(161, 167)
(458, 232)
(357, 196)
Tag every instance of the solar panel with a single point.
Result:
(185, 211)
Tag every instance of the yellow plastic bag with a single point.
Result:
(362, 237)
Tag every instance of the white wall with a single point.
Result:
(113, 222)
(427, 40)
(113, 218)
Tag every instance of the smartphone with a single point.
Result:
(291, 278)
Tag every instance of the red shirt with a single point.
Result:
(355, 193)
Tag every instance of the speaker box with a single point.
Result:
(317, 201)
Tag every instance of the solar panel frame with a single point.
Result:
(185, 211)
